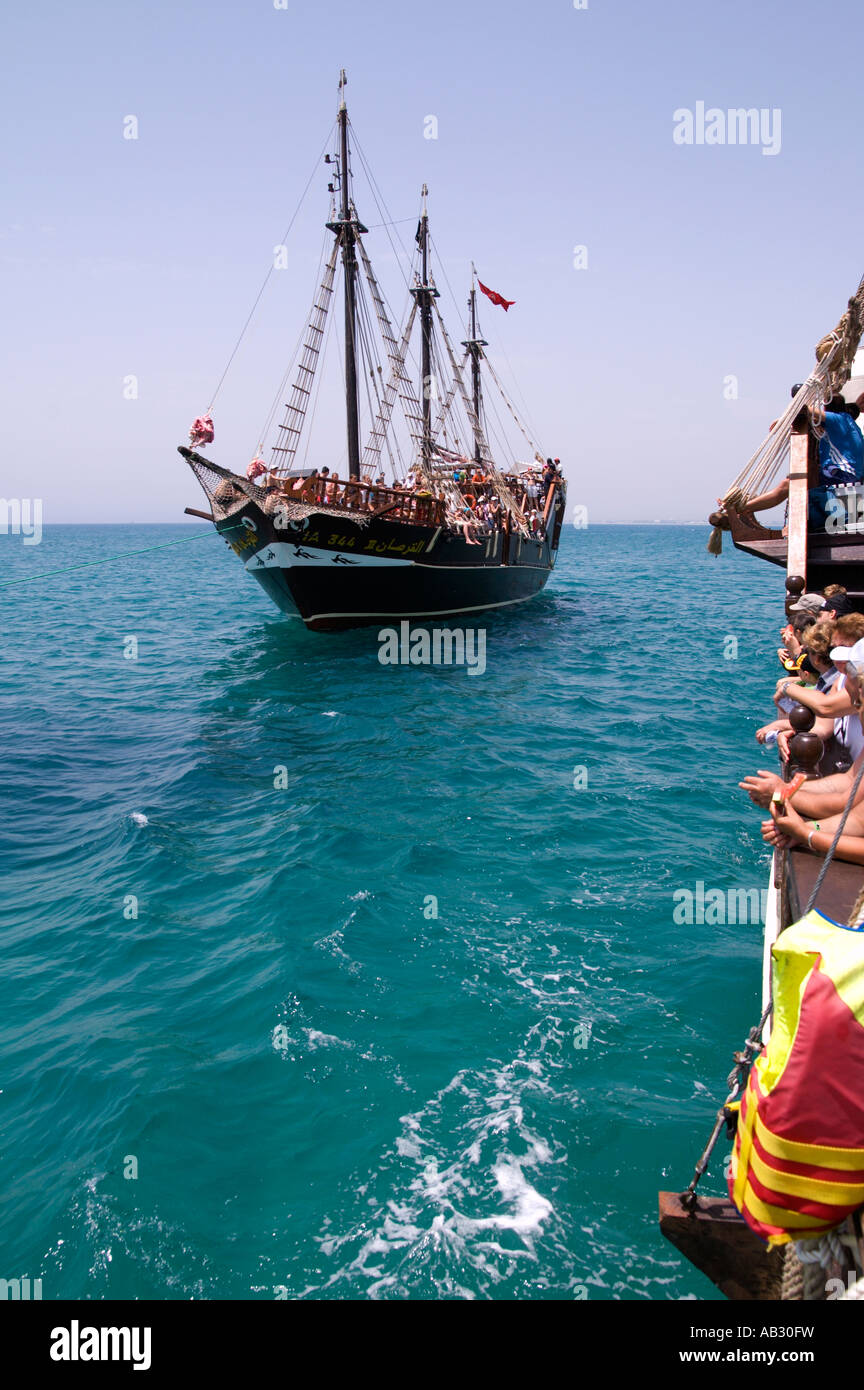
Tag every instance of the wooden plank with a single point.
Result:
(820, 553)
(838, 892)
(550, 497)
(716, 1240)
(796, 557)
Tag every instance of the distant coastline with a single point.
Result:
(191, 522)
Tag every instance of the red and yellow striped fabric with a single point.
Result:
(798, 1162)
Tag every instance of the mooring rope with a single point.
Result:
(124, 555)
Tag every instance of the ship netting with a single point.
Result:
(227, 493)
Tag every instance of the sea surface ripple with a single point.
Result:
(370, 972)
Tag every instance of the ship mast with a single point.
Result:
(347, 229)
(475, 346)
(424, 293)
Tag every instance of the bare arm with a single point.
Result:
(825, 796)
(830, 703)
(791, 828)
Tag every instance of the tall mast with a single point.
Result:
(424, 293)
(475, 346)
(347, 229)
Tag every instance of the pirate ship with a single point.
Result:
(455, 529)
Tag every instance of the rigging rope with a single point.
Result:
(266, 281)
(501, 489)
(835, 354)
(398, 383)
(124, 555)
(499, 348)
(387, 220)
(283, 385)
(313, 406)
(509, 405)
(838, 832)
(298, 403)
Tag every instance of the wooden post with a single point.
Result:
(550, 497)
(796, 551)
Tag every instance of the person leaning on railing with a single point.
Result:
(832, 703)
(422, 504)
(840, 738)
(811, 815)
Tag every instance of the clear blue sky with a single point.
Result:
(555, 128)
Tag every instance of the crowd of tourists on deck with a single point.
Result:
(469, 499)
(478, 507)
(822, 655)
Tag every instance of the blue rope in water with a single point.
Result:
(124, 555)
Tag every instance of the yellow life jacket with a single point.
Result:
(798, 1162)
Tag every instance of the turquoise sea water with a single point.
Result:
(328, 1091)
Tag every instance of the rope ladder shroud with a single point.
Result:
(295, 411)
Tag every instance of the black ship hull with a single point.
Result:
(339, 572)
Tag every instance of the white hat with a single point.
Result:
(855, 653)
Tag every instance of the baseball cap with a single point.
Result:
(839, 604)
(808, 603)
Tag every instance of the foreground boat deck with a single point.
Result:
(838, 892)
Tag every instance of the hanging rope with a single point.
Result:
(736, 1082)
(838, 832)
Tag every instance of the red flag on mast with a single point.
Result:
(495, 297)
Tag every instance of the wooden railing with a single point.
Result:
(394, 503)
(397, 504)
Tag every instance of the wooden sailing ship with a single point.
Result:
(709, 1231)
(465, 534)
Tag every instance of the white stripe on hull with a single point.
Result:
(284, 555)
(424, 612)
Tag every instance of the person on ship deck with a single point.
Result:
(791, 653)
(812, 815)
(832, 703)
(840, 462)
(842, 737)
(824, 609)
